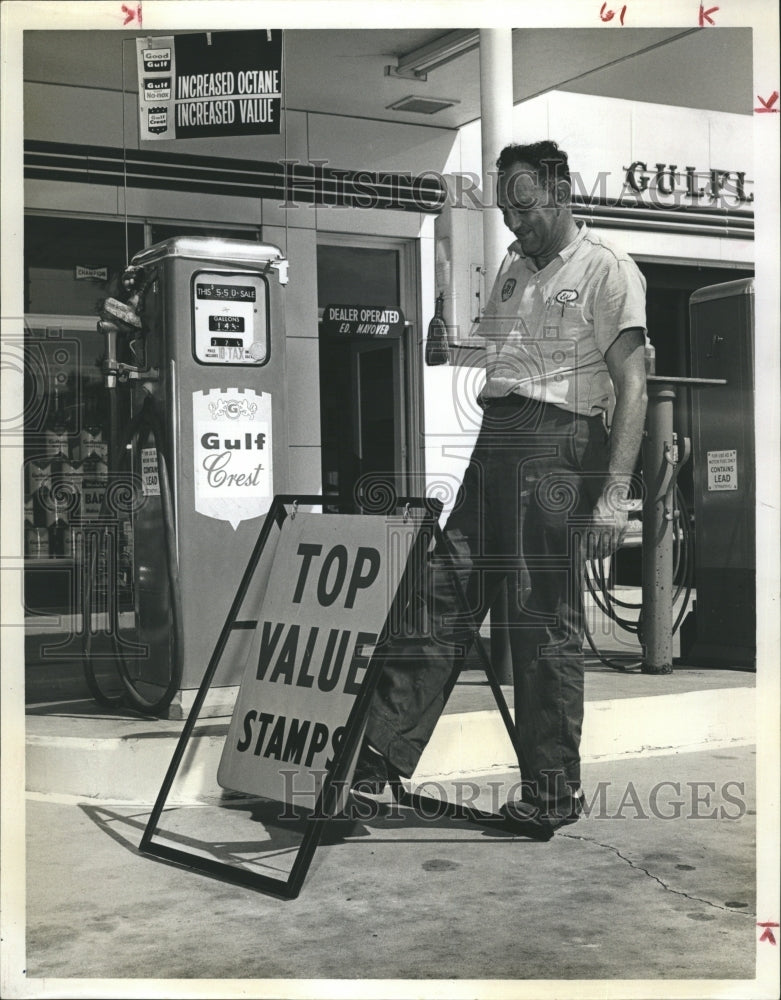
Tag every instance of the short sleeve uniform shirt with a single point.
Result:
(548, 331)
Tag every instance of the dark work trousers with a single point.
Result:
(521, 514)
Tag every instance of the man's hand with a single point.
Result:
(626, 363)
(608, 526)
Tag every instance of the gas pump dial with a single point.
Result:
(230, 318)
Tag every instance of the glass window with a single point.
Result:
(361, 276)
(66, 463)
(69, 263)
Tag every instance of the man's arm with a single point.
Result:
(626, 363)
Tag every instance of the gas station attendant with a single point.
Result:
(546, 487)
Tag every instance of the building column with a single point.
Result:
(496, 130)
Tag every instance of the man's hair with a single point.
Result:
(545, 157)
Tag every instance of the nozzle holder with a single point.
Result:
(121, 313)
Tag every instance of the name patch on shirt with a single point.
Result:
(566, 295)
(508, 288)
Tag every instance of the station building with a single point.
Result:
(374, 191)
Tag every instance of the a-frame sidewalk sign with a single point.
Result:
(347, 570)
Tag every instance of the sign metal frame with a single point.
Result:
(333, 783)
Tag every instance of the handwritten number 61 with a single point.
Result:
(608, 15)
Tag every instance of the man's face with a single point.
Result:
(529, 209)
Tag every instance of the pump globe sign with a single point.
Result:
(232, 453)
(212, 84)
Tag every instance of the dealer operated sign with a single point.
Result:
(362, 321)
(213, 84)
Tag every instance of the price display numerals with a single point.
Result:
(226, 324)
(226, 293)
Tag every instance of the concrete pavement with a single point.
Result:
(656, 883)
(653, 891)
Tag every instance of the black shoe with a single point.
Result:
(526, 818)
(372, 771)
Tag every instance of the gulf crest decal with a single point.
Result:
(232, 454)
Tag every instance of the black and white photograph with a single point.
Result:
(390, 499)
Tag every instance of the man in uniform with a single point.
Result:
(546, 487)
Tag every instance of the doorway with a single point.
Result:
(370, 386)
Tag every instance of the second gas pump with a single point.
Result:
(198, 340)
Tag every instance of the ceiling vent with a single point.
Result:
(422, 105)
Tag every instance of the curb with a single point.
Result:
(130, 767)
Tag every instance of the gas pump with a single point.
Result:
(721, 629)
(198, 341)
(719, 567)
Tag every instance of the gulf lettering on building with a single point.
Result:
(211, 84)
(668, 183)
(327, 597)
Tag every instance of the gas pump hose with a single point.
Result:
(597, 586)
(90, 555)
(141, 425)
